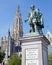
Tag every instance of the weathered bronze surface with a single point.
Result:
(35, 20)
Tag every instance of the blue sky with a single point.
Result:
(8, 11)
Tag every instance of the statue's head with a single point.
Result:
(32, 7)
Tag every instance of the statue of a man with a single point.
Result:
(35, 20)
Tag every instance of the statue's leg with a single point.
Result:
(40, 30)
(33, 28)
(30, 28)
(36, 28)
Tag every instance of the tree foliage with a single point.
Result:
(2, 55)
(14, 60)
(50, 59)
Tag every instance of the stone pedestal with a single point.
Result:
(34, 50)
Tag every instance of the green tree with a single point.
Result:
(50, 59)
(2, 55)
(14, 60)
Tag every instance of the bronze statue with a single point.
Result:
(35, 20)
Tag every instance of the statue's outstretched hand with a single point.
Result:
(26, 20)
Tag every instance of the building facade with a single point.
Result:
(10, 43)
(49, 37)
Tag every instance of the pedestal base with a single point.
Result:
(35, 50)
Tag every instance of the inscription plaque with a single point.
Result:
(32, 57)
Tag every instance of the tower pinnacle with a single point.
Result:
(17, 27)
(8, 32)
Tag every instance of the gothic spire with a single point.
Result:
(9, 32)
(17, 27)
(18, 13)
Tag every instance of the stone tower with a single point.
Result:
(17, 27)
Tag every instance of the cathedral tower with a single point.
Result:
(17, 27)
